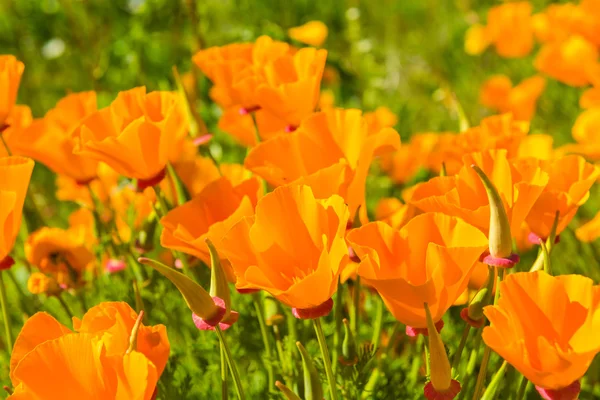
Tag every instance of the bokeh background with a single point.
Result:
(407, 55)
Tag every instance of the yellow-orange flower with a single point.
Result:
(568, 61)
(50, 361)
(60, 252)
(15, 173)
(509, 29)
(589, 231)
(19, 118)
(585, 131)
(293, 247)
(209, 215)
(402, 165)
(559, 21)
(499, 94)
(429, 260)
(11, 70)
(136, 134)
(50, 141)
(393, 212)
(519, 184)
(41, 283)
(331, 151)
(312, 33)
(546, 326)
(570, 179)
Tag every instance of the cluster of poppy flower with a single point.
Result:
(292, 219)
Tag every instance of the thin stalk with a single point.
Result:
(326, 358)
(461, 346)
(3, 301)
(337, 334)
(482, 373)
(491, 390)
(25, 299)
(265, 338)
(224, 391)
(279, 348)
(522, 388)
(355, 311)
(232, 366)
(427, 364)
(65, 306)
(4, 141)
(162, 201)
(378, 324)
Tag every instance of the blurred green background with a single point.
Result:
(404, 54)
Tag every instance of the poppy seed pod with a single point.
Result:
(312, 382)
(286, 391)
(349, 355)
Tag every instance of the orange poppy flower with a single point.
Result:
(291, 89)
(509, 29)
(60, 252)
(585, 132)
(240, 125)
(381, 118)
(41, 283)
(136, 134)
(402, 165)
(49, 140)
(568, 60)
(293, 247)
(209, 216)
(499, 94)
(559, 21)
(570, 179)
(589, 231)
(341, 151)
(312, 33)
(11, 70)
(15, 173)
(114, 321)
(536, 146)
(19, 118)
(546, 326)
(393, 212)
(436, 269)
(50, 361)
(464, 196)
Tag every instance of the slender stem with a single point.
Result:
(265, 338)
(493, 386)
(279, 348)
(337, 334)
(224, 391)
(65, 306)
(482, 373)
(232, 367)
(500, 272)
(3, 301)
(162, 201)
(137, 271)
(326, 358)
(4, 141)
(461, 346)
(427, 364)
(355, 310)
(378, 324)
(522, 388)
(81, 298)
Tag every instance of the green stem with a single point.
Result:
(4, 141)
(522, 388)
(3, 301)
(232, 367)
(355, 310)
(279, 348)
(491, 390)
(378, 324)
(224, 391)
(265, 338)
(427, 365)
(461, 346)
(482, 373)
(337, 334)
(326, 358)
(65, 306)
(162, 201)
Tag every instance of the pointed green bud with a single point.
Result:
(287, 392)
(219, 286)
(197, 299)
(439, 365)
(134, 333)
(500, 237)
(312, 384)
(483, 297)
(349, 354)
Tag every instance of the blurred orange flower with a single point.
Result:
(312, 33)
(568, 60)
(546, 326)
(327, 150)
(50, 361)
(381, 118)
(11, 70)
(136, 134)
(293, 247)
(464, 196)
(50, 140)
(509, 29)
(19, 118)
(15, 173)
(402, 165)
(39, 282)
(499, 94)
(559, 21)
(429, 260)
(62, 253)
(589, 231)
(209, 215)
(570, 179)
(585, 131)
